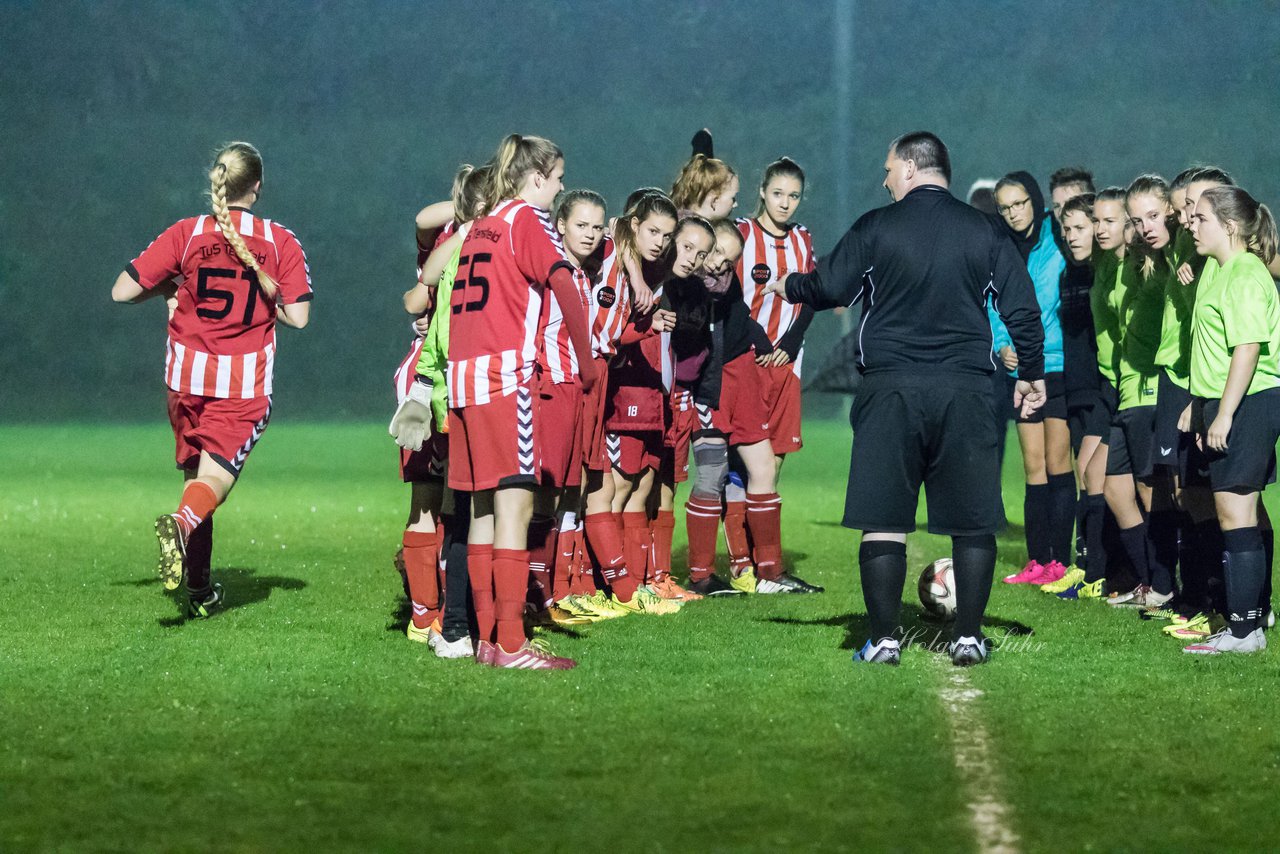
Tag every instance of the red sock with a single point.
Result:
(480, 576)
(420, 555)
(562, 575)
(663, 530)
(764, 518)
(636, 541)
(198, 501)
(702, 518)
(735, 536)
(583, 575)
(604, 539)
(542, 550)
(510, 582)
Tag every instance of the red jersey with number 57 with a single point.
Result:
(503, 269)
(222, 335)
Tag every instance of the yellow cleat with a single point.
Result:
(1072, 577)
(745, 581)
(645, 601)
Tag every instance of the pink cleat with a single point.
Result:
(1052, 571)
(528, 657)
(1029, 574)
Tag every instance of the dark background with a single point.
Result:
(109, 112)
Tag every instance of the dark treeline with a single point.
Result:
(363, 112)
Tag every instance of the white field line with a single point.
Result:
(979, 774)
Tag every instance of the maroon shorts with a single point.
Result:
(494, 444)
(742, 417)
(224, 428)
(559, 428)
(631, 453)
(782, 396)
(428, 463)
(593, 406)
(684, 420)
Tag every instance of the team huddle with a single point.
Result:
(566, 366)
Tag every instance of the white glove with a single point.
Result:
(412, 421)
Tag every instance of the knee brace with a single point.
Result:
(712, 462)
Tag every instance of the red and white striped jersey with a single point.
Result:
(406, 373)
(222, 334)
(766, 257)
(556, 357)
(503, 269)
(610, 307)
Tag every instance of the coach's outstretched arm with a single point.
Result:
(836, 281)
(1014, 298)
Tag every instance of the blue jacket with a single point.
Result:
(1045, 266)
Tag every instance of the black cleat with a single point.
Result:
(713, 585)
(787, 583)
(968, 651)
(200, 606)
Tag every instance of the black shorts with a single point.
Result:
(1087, 417)
(911, 429)
(1132, 433)
(1171, 400)
(1249, 463)
(1054, 407)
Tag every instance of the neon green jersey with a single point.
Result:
(1174, 353)
(435, 350)
(1139, 305)
(1106, 323)
(1236, 304)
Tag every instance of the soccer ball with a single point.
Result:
(937, 588)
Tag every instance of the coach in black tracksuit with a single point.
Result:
(923, 269)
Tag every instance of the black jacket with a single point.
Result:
(924, 268)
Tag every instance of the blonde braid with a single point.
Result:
(218, 195)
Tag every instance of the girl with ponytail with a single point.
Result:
(508, 261)
(1235, 387)
(236, 275)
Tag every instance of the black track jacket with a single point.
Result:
(923, 268)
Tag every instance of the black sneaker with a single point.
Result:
(200, 606)
(968, 651)
(713, 585)
(786, 583)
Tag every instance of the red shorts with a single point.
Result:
(743, 417)
(593, 405)
(224, 428)
(494, 444)
(782, 396)
(559, 428)
(675, 458)
(631, 453)
(428, 463)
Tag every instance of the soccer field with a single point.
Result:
(301, 717)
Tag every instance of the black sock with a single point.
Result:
(1082, 531)
(1269, 553)
(455, 622)
(974, 562)
(1245, 571)
(199, 557)
(1201, 559)
(1162, 534)
(1061, 516)
(1095, 543)
(1134, 541)
(1035, 515)
(882, 565)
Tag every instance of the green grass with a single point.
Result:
(301, 718)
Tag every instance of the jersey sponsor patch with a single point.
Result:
(760, 273)
(606, 297)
